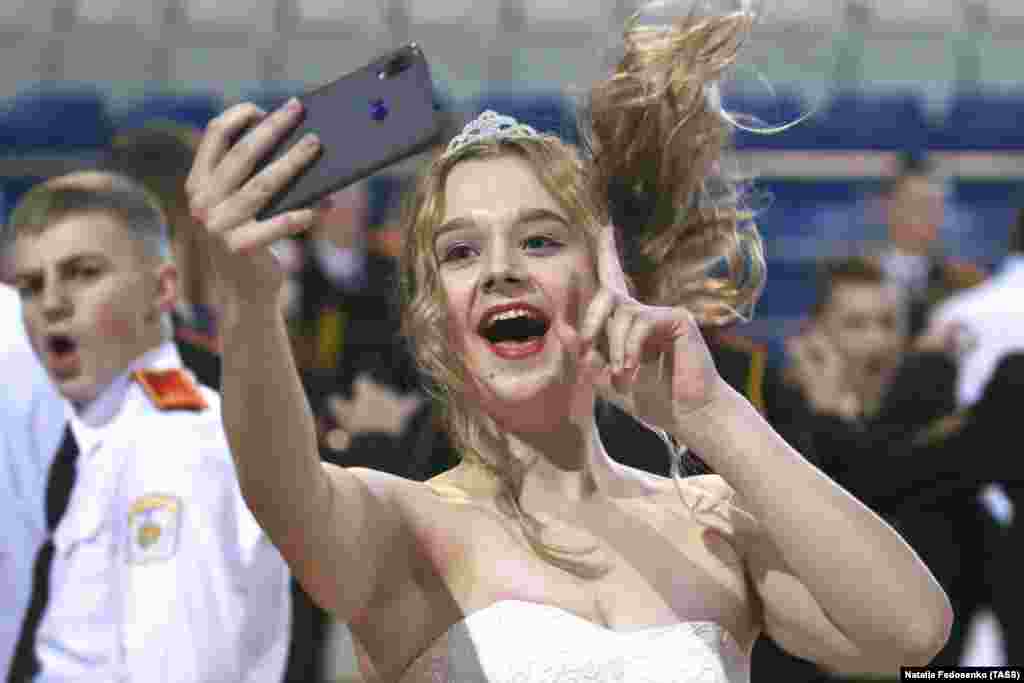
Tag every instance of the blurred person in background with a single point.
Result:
(882, 418)
(914, 259)
(158, 155)
(154, 569)
(987, 322)
(31, 424)
(344, 311)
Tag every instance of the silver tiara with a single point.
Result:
(490, 125)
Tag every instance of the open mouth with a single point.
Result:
(515, 331)
(61, 351)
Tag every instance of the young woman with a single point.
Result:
(539, 557)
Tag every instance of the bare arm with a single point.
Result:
(335, 527)
(827, 563)
(319, 519)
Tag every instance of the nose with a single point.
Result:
(503, 271)
(55, 302)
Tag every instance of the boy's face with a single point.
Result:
(92, 300)
(864, 323)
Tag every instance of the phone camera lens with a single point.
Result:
(395, 67)
(378, 110)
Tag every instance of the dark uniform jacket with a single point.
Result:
(920, 464)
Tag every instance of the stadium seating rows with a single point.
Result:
(81, 118)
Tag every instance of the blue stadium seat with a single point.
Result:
(55, 120)
(790, 289)
(977, 120)
(193, 109)
(859, 120)
(547, 112)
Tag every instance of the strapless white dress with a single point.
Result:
(514, 641)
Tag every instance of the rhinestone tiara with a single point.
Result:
(490, 125)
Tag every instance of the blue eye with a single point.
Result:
(540, 242)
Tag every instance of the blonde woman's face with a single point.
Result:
(507, 254)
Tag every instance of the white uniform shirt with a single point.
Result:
(160, 573)
(991, 317)
(31, 426)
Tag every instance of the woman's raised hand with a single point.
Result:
(225, 196)
(651, 360)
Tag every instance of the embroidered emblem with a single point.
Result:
(170, 389)
(153, 523)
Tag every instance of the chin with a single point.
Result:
(79, 390)
(535, 401)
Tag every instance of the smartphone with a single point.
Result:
(366, 120)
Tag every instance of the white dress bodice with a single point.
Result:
(514, 641)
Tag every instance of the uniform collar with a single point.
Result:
(89, 423)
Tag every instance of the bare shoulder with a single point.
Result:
(405, 495)
(424, 505)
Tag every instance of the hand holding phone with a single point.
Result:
(365, 120)
(256, 174)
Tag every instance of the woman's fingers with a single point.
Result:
(596, 316)
(240, 161)
(224, 163)
(636, 340)
(251, 197)
(609, 266)
(216, 141)
(618, 326)
(256, 234)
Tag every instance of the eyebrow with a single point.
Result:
(521, 216)
(69, 261)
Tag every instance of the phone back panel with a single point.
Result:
(365, 122)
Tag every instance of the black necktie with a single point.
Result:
(24, 664)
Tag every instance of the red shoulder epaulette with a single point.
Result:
(170, 389)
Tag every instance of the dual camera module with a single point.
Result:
(395, 67)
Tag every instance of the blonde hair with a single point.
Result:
(650, 122)
(656, 132)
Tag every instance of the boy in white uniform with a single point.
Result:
(159, 571)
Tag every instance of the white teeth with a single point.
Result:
(507, 315)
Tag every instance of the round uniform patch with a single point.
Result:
(153, 522)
